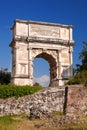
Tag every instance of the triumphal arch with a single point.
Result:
(51, 41)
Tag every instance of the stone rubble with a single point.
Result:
(45, 101)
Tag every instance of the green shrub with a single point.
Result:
(72, 81)
(36, 84)
(17, 91)
(80, 78)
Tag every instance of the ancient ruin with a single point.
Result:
(51, 41)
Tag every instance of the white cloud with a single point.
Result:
(43, 80)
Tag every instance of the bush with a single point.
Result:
(72, 81)
(17, 91)
(80, 78)
(36, 84)
(5, 76)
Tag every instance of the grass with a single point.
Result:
(22, 122)
(57, 113)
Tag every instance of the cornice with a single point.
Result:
(41, 40)
(41, 23)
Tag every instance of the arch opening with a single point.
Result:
(49, 65)
(41, 71)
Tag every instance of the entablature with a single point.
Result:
(42, 40)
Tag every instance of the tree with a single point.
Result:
(5, 76)
(80, 73)
(83, 57)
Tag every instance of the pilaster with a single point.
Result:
(16, 59)
(30, 65)
(70, 62)
(59, 64)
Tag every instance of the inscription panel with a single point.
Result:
(44, 31)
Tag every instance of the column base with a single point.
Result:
(57, 83)
(22, 81)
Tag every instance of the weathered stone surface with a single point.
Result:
(37, 105)
(42, 104)
(77, 100)
(53, 42)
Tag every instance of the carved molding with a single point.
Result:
(36, 52)
(42, 40)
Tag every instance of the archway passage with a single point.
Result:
(52, 66)
(41, 73)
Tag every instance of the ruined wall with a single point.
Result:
(72, 100)
(48, 100)
(77, 100)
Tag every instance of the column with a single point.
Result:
(70, 62)
(12, 52)
(16, 59)
(30, 66)
(59, 64)
(59, 68)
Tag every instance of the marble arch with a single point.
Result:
(51, 41)
(52, 63)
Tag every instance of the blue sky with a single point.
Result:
(72, 12)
